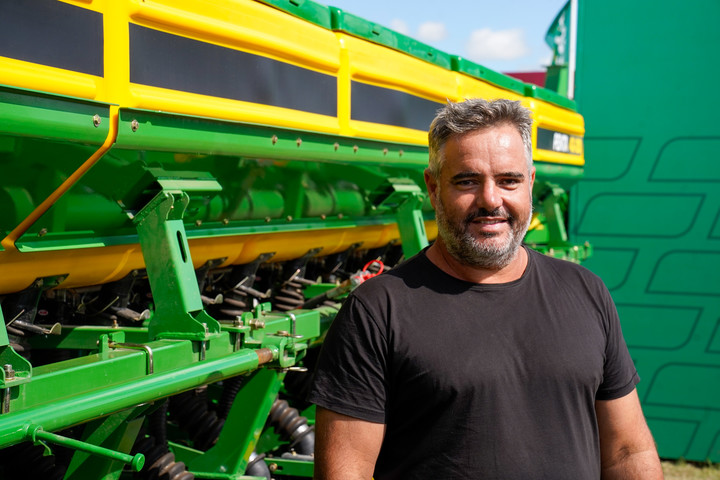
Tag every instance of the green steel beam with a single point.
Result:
(29, 113)
(565, 175)
(146, 130)
(89, 239)
(78, 397)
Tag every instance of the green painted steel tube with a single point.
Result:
(38, 434)
(14, 427)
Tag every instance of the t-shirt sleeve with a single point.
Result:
(350, 376)
(620, 375)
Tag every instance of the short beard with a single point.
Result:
(471, 251)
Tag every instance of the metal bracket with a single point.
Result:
(179, 309)
(406, 198)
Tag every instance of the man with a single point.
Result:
(479, 358)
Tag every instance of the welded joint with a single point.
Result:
(138, 346)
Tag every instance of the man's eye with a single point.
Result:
(463, 183)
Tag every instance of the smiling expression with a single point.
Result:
(483, 196)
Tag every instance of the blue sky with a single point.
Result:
(505, 35)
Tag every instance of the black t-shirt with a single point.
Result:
(478, 381)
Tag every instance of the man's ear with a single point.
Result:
(532, 178)
(432, 186)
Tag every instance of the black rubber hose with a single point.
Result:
(293, 427)
(257, 467)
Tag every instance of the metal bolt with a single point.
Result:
(355, 148)
(198, 222)
(9, 372)
(43, 231)
(134, 125)
(273, 467)
(298, 141)
(385, 151)
(225, 221)
(336, 146)
(96, 120)
(323, 216)
(340, 215)
(400, 152)
(274, 139)
(289, 218)
(267, 219)
(256, 324)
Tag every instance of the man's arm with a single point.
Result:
(346, 448)
(627, 448)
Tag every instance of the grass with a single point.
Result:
(681, 470)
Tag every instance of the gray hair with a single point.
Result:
(475, 114)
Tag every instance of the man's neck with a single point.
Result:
(439, 255)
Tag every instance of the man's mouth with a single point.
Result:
(489, 221)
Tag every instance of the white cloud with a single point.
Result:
(400, 26)
(432, 31)
(485, 44)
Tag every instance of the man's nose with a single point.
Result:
(489, 197)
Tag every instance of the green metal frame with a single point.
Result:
(182, 347)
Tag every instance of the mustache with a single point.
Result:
(483, 212)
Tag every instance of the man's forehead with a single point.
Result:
(496, 141)
(501, 129)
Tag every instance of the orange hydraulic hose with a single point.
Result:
(8, 242)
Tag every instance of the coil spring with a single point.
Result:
(293, 427)
(290, 296)
(190, 410)
(235, 302)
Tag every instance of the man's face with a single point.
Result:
(483, 196)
